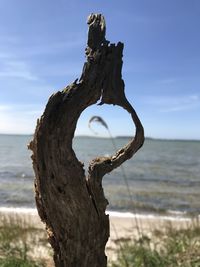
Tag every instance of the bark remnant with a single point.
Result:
(70, 204)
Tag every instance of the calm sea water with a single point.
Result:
(164, 176)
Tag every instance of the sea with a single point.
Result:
(163, 177)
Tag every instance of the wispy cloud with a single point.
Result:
(174, 103)
(12, 65)
(17, 108)
(167, 81)
(19, 118)
(39, 46)
(53, 48)
(5, 108)
(13, 68)
(20, 61)
(4, 55)
(66, 69)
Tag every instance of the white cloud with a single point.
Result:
(39, 46)
(167, 81)
(4, 108)
(66, 69)
(53, 48)
(16, 69)
(20, 119)
(4, 56)
(173, 103)
(183, 103)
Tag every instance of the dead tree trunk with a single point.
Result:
(70, 204)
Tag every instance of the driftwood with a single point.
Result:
(70, 204)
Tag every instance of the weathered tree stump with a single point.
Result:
(70, 204)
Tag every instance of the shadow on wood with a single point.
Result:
(70, 204)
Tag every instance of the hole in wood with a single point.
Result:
(97, 141)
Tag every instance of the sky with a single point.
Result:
(42, 50)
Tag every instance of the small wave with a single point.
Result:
(15, 175)
(147, 216)
(177, 216)
(18, 210)
(6, 174)
(177, 212)
(168, 181)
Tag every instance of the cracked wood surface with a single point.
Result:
(70, 204)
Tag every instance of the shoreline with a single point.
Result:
(123, 225)
(171, 216)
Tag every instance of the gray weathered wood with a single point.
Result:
(70, 204)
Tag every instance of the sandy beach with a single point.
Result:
(123, 226)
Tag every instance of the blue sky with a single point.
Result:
(42, 50)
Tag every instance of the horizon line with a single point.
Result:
(107, 137)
